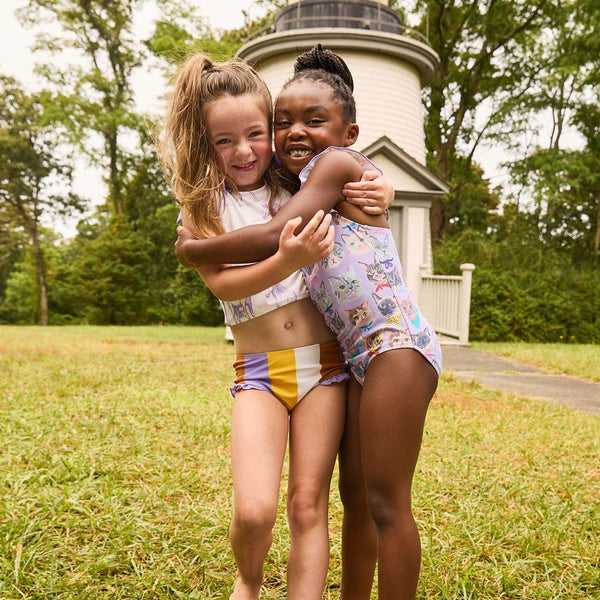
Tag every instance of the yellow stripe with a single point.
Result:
(282, 371)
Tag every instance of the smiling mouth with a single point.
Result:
(299, 153)
(245, 166)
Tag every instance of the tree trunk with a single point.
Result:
(596, 249)
(437, 225)
(41, 275)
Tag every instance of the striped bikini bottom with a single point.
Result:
(290, 374)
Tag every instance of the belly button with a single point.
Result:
(288, 325)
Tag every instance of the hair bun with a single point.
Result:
(325, 60)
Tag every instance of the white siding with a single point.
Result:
(388, 101)
(399, 178)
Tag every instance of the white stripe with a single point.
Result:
(308, 368)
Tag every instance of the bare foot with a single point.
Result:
(243, 591)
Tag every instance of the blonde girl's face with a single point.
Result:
(239, 130)
(309, 119)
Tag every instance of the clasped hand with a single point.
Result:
(312, 244)
(309, 246)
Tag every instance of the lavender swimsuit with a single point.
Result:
(361, 292)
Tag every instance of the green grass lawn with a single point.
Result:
(115, 483)
(569, 359)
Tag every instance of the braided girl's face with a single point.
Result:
(309, 119)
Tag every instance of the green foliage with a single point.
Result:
(522, 291)
(116, 273)
(565, 200)
(489, 60)
(471, 203)
(193, 302)
(94, 100)
(13, 240)
(501, 63)
(178, 31)
(101, 277)
(19, 304)
(33, 169)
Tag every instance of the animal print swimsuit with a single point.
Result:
(361, 292)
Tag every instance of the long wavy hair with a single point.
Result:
(185, 150)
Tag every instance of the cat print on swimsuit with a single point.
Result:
(335, 322)
(386, 305)
(374, 342)
(346, 288)
(353, 345)
(335, 257)
(360, 316)
(383, 251)
(385, 255)
(322, 299)
(409, 310)
(376, 275)
(253, 200)
(242, 310)
(355, 243)
(359, 368)
(396, 279)
(310, 269)
(399, 339)
(423, 340)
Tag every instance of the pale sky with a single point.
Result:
(17, 60)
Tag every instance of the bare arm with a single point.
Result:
(312, 244)
(322, 190)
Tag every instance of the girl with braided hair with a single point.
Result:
(391, 350)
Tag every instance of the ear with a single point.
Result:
(351, 134)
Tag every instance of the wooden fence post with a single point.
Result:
(464, 304)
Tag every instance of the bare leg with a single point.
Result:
(316, 428)
(394, 401)
(259, 427)
(359, 535)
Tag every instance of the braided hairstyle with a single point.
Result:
(328, 68)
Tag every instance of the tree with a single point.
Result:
(93, 93)
(563, 191)
(560, 186)
(100, 277)
(35, 174)
(489, 52)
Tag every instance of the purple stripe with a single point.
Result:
(256, 367)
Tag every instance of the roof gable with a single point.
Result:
(402, 170)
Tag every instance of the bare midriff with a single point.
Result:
(291, 326)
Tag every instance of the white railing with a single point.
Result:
(446, 301)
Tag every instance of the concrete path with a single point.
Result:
(508, 375)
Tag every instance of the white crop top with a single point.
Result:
(252, 208)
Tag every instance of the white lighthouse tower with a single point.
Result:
(389, 64)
